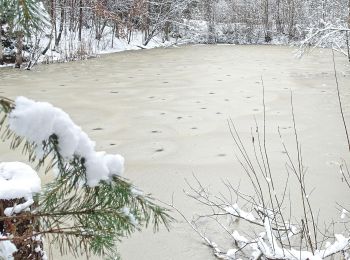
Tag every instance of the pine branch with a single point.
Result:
(74, 214)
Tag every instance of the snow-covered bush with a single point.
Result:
(330, 35)
(87, 207)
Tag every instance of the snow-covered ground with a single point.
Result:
(70, 48)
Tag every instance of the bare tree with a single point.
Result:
(1, 46)
(210, 19)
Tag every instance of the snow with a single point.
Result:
(42, 253)
(18, 208)
(231, 253)
(38, 121)
(136, 43)
(136, 192)
(344, 214)
(274, 251)
(340, 243)
(37, 238)
(18, 180)
(70, 48)
(126, 212)
(237, 211)
(191, 31)
(236, 236)
(7, 248)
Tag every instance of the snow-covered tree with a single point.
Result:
(87, 207)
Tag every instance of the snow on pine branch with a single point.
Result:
(38, 121)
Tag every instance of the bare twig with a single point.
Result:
(340, 102)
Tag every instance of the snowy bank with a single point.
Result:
(70, 48)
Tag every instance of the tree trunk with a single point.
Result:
(349, 14)
(291, 22)
(19, 46)
(100, 29)
(278, 17)
(347, 44)
(71, 16)
(1, 49)
(117, 34)
(347, 33)
(80, 18)
(62, 21)
(166, 30)
(113, 33)
(209, 16)
(53, 17)
(266, 21)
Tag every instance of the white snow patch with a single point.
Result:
(274, 251)
(126, 212)
(231, 253)
(18, 208)
(41, 252)
(136, 192)
(236, 236)
(344, 214)
(7, 248)
(237, 211)
(18, 180)
(37, 121)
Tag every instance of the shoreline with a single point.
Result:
(170, 44)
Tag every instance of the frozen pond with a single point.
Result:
(166, 111)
